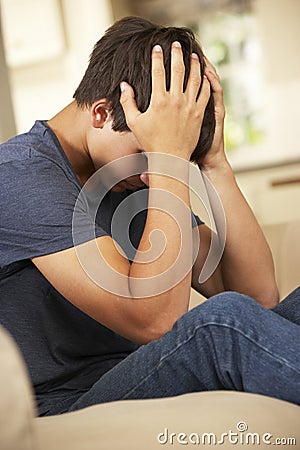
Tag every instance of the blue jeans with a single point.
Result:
(229, 342)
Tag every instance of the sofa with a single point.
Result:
(205, 419)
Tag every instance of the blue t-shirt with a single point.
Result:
(65, 350)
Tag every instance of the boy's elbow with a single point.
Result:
(269, 298)
(152, 332)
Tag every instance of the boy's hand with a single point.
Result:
(216, 155)
(173, 120)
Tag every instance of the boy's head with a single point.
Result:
(124, 54)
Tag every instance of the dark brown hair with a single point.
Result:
(124, 54)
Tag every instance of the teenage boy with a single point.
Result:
(81, 340)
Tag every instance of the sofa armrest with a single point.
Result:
(17, 404)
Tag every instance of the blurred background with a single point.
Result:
(44, 50)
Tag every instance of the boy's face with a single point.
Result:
(113, 146)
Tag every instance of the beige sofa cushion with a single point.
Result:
(136, 424)
(16, 401)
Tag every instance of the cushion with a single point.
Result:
(149, 424)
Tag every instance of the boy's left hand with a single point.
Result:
(216, 155)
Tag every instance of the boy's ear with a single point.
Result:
(99, 113)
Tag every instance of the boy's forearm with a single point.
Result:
(247, 263)
(162, 268)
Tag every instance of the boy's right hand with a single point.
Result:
(173, 120)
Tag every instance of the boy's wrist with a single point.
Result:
(161, 163)
(216, 167)
(169, 173)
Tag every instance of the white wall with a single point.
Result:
(279, 32)
(44, 79)
(7, 119)
(280, 37)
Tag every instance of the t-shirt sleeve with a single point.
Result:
(196, 220)
(37, 202)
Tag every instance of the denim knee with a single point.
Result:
(226, 307)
